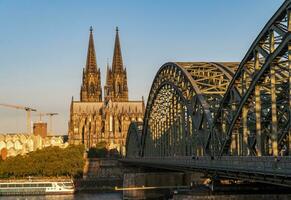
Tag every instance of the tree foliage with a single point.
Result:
(97, 152)
(101, 151)
(47, 162)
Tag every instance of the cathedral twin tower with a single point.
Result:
(93, 120)
(116, 79)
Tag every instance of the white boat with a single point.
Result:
(36, 187)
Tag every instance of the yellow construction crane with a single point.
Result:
(41, 114)
(28, 114)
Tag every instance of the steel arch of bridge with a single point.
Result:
(133, 140)
(181, 103)
(257, 121)
(222, 109)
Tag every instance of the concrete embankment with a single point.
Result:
(109, 175)
(101, 174)
(97, 184)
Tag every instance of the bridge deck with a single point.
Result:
(271, 170)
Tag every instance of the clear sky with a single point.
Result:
(43, 44)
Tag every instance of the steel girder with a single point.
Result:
(183, 99)
(133, 140)
(198, 108)
(257, 121)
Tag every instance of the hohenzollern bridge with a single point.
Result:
(228, 120)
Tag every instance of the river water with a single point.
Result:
(78, 196)
(118, 196)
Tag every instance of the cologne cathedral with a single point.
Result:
(94, 119)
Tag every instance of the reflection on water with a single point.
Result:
(117, 196)
(235, 197)
(81, 196)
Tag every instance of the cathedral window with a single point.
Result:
(92, 88)
(118, 88)
(119, 125)
(103, 127)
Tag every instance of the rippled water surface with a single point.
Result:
(118, 196)
(81, 196)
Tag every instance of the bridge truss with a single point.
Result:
(218, 110)
(181, 106)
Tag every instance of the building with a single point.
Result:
(21, 144)
(94, 119)
(40, 128)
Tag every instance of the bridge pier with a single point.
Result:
(156, 184)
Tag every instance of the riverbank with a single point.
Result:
(98, 184)
(102, 174)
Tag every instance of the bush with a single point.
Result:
(114, 153)
(97, 152)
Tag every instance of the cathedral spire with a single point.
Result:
(117, 64)
(91, 84)
(91, 64)
(116, 80)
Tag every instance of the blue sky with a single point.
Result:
(43, 44)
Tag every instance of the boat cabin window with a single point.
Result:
(11, 185)
(26, 185)
(68, 184)
(45, 185)
(3, 185)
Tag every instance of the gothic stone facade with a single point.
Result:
(93, 120)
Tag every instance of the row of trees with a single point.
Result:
(47, 162)
(101, 151)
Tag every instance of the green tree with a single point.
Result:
(49, 162)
